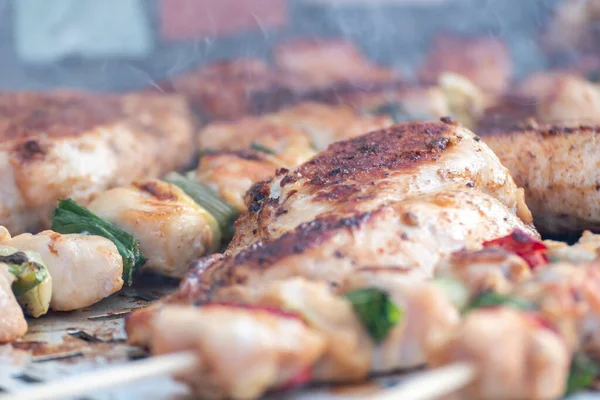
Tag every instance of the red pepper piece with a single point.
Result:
(525, 246)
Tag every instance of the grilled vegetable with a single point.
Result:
(528, 248)
(260, 147)
(33, 283)
(70, 217)
(205, 197)
(376, 311)
(582, 374)
(492, 299)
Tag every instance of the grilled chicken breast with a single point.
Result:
(515, 356)
(173, 230)
(58, 145)
(558, 167)
(385, 166)
(84, 268)
(12, 321)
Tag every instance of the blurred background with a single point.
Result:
(119, 45)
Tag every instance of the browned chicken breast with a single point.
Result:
(58, 145)
(559, 169)
(410, 236)
(515, 355)
(385, 166)
(485, 61)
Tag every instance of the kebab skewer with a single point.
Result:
(393, 322)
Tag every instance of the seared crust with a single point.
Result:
(121, 138)
(558, 166)
(360, 174)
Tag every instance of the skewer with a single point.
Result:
(419, 386)
(108, 378)
(431, 384)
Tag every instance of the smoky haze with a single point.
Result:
(396, 35)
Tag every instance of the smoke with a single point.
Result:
(391, 33)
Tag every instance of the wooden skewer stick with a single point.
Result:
(431, 384)
(420, 386)
(107, 378)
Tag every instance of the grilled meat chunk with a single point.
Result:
(344, 351)
(558, 168)
(290, 146)
(12, 321)
(485, 61)
(516, 356)
(119, 138)
(240, 153)
(331, 62)
(232, 173)
(173, 230)
(411, 236)
(385, 166)
(84, 268)
(242, 351)
(325, 124)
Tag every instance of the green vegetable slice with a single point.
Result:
(261, 147)
(582, 374)
(70, 217)
(493, 299)
(376, 311)
(205, 197)
(28, 273)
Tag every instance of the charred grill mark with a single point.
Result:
(257, 194)
(158, 191)
(375, 154)
(261, 255)
(31, 150)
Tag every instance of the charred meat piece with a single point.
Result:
(558, 168)
(410, 236)
(120, 138)
(485, 61)
(382, 167)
